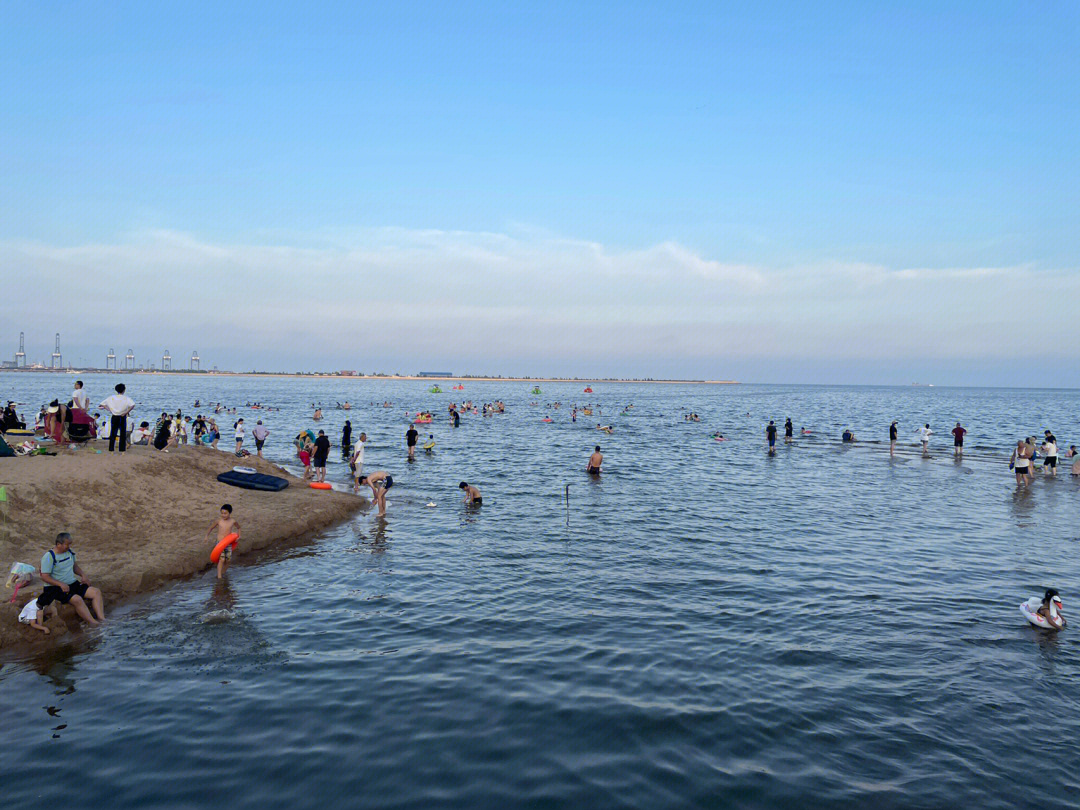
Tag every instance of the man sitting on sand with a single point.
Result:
(379, 481)
(66, 583)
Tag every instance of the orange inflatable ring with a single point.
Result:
(227, 540)
(320, 485)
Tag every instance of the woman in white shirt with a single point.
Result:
(1020, 462)
(239, 427)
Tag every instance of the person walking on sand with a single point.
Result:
(238, 427)
(259, 434)
(892, 439)
(958, 440)
(119, 405)
(595, 460)
(66, 583)
(410, 439)
(322, 451)
(1020, 463)
(379, 481)
(225, 524)
(924, 436)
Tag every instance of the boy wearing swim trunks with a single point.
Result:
(379, 481)
(225, 524)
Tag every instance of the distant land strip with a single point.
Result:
(406, 377)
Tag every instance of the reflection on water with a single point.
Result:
(701, 626)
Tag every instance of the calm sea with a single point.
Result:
(704, 626)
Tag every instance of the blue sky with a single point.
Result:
(845, 192)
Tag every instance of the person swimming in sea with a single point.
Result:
(1051, 609)
(848, 437)
(605, 428)
(595, 460)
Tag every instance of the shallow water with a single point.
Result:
(704, 626)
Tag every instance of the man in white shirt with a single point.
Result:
(79, 398)
(119, 405)
(356, 461)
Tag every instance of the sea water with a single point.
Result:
(704, 625)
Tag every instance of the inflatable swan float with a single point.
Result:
(1030, 610)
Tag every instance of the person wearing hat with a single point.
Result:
(119, 405)
(56, 416)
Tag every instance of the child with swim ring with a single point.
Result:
(226, 525)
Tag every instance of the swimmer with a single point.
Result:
(472, 494)
(1051, 609)
(606, 428)
(595, 460)
(848, 437)
(317, 414)
(225, 524)
(430, 444)
(379, 481)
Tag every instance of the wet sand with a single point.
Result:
(139, 519)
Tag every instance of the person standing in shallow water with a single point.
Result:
(958, 440)
(789, 431)
(346, 438)
(770, 435)
(595, 460)
(892, 439)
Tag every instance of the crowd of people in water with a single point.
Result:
(72, 422)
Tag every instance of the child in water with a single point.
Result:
(1050, 609)
(225, 524)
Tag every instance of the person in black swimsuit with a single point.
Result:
(472, 494)
(789, 431)
(892, 439)
(595, 460)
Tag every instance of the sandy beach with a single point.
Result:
(139, 519)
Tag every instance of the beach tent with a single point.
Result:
(5, 451)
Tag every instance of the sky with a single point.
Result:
(770, 192)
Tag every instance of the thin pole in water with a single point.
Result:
(568, 505)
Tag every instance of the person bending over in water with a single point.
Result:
(1051, 609)
(379, 481)
(225, 524)
(472, 494)
(595, 460)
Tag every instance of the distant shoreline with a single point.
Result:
(404, 377)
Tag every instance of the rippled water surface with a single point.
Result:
(704, 626)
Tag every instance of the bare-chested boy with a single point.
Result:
(379, 481)
(226, 524)
(595, 460)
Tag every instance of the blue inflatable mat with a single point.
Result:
(267, 483)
